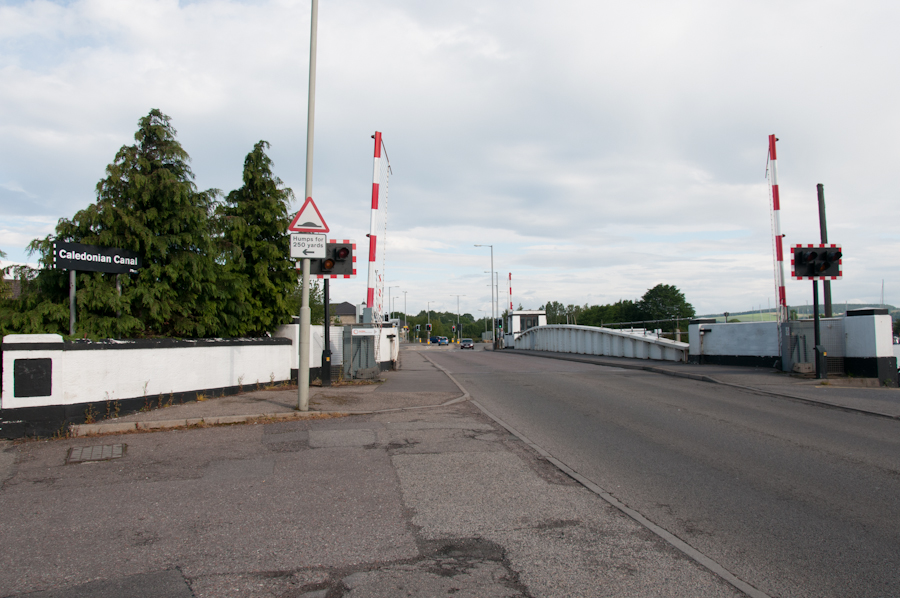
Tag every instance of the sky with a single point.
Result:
(602, 148)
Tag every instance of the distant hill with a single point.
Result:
(803, 311)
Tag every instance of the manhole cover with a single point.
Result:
(95, 453)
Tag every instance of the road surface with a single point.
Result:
(796, 500)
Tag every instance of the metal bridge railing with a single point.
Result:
(591, 340)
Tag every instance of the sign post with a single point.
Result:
(303, 340)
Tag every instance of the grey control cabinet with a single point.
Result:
(360, 359)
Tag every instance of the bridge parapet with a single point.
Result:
(592, 340)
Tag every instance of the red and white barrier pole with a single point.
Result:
(510, 293)
(776, 225)
(373, 224)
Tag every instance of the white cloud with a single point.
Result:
(602, 148)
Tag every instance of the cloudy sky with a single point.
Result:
(601, 147)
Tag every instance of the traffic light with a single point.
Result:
(453, 328)
(338, 261)
(816, 262)
(428, 327)
(500, 323)
(417, 327)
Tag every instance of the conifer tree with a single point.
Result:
(256, 249)
(148, 203)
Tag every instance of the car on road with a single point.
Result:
(466, 343)
(443, 340)
(434, 340)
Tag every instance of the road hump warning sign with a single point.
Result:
(308, 219)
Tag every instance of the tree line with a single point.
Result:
(442, 324)
(213, 264)
(662, 302)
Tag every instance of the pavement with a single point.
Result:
(402, 487)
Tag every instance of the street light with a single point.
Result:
(457, 317)
(493, 331)
(389, 299)
(428, 325)
(405, 319)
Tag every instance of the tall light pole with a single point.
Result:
(405, 317)
(389, 300)
(428, 321)
(495, 286)
(457, 317)
(303, 339)
(493, 321)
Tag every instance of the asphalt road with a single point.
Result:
(796, 500)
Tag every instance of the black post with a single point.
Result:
(821, 371)
(823, 232)
(326, 350)
(72, 276)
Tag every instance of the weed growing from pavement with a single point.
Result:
(64, 432)
(241, 383)
(89, 415)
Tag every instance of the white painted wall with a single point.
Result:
(868, 336)
(388, 349)
(317, 340)
(864, 336)
(116, 372)
(759, 339)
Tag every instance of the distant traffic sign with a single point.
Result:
(307, 245)
(308, 219)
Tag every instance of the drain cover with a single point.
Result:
(95, 453)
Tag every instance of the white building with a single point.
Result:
(518, 322)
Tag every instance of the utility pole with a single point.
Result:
(303, 340)
(405, 319)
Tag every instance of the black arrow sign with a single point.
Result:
(307, 251)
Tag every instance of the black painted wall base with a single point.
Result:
(51, 420)
(771, 361)
(316, 373)
(883, 368)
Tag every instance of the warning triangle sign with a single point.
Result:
(308, 219)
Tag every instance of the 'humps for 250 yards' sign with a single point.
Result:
(90, 258)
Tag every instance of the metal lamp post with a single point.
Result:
(303, 340)
(457, 317)
(390, 315)
(493, 321)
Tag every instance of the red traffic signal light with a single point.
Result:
(816, 262)
(339, 261)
